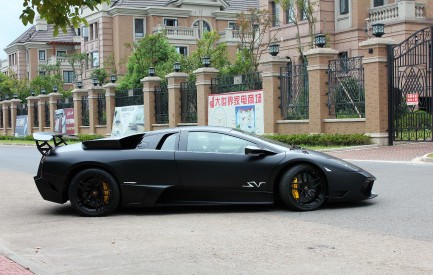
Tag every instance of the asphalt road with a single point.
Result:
(390, 234)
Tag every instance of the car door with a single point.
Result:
(216, 162)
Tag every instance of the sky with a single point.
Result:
(11, 25)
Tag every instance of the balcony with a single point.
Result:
(182, 33)
(400, 11)
(63, 61)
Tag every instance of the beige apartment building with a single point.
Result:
(184, 21)
(36, 47)
(346, 23)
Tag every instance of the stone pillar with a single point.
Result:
(318, 60)
(110, 101)
(203, 82)
(53, 107)
(93, 108)
(174, 97)
(41, 110)
(271, 91)
(77, 94)
(14, 113)
(376, 88)
(32, 101)
(5, 105)
(149, 84)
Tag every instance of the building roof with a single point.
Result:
(234, 5)
(33, 35)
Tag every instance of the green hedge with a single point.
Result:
(322, 139)
(78, 137)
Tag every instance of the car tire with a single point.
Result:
(302, 188)
(94, 192)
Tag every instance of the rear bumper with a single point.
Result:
(49, 191)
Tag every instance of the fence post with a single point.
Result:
(110, 101)
(149, 84)
(53, 107)
(77, 94)
(318, 63)
(32, 101)
(174, 97)
(14, 113)
(5, 110)
(376, 88)
(271, 91)
(93, 108)
(203, 83)
(41, 111)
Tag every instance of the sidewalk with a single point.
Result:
(398, 152)
(9, 267)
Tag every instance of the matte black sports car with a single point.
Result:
(192, 165)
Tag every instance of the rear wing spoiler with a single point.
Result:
(43, 141)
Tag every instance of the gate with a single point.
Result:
(410, 88)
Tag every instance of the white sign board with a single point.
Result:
(128, 120)
(242, 110)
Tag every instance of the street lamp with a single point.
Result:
(32, 92)
(113, 78)
(15, 96)
(205, 61)
(274, 49)
(176, 67)
(55, 89)
(151, 71)
(378, 29)
(320, 40)
(95, 81)
(79, 84)
(43, 91)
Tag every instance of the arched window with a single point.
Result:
(203, 26)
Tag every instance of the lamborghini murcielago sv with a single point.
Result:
(192, 165)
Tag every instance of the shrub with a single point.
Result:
(322, 139)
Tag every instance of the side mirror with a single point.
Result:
(252, 150)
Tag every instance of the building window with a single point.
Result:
(378, 3)
(139, 27)
(233, 25)
(94, 57)
(170, 22)
(344, 6)
(95, 30)
(42, 55)
(290, 14)
(202, 26)
(68, 76)
(182, 50)
(85, 32)
(304, 10)
(61, 53)
(42, 73)
(275, 14)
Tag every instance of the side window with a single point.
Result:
(216, 143)
(168, 143)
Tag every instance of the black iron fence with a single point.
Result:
(47, 113)
(188, 91)
(1, 117)
(66, 102)
(346, 93)
(161, 104)
(236, 83)
(85, 111)
(9, 125)
(22, 109)
(101, 109)
(294, 92)
(129, 97)
(36, 115)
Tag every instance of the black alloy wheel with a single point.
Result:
(94, 192)
(302, 188)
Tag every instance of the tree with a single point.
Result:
(10, 86)
(77, 62)
(153, 50)
(62, 14)
(50, 79)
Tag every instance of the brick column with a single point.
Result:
(376, 88)
(271, 91)
(41, 110)
(14, 113)
(149, 84)
(31, 102)
(203, 82)
(174, 97)
(77, 94)
(53, 107)
(93, 108)
(110, 102)
(318, 60)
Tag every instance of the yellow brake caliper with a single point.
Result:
(295, 191)
(106, 192)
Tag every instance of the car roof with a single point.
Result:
(192, 128)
